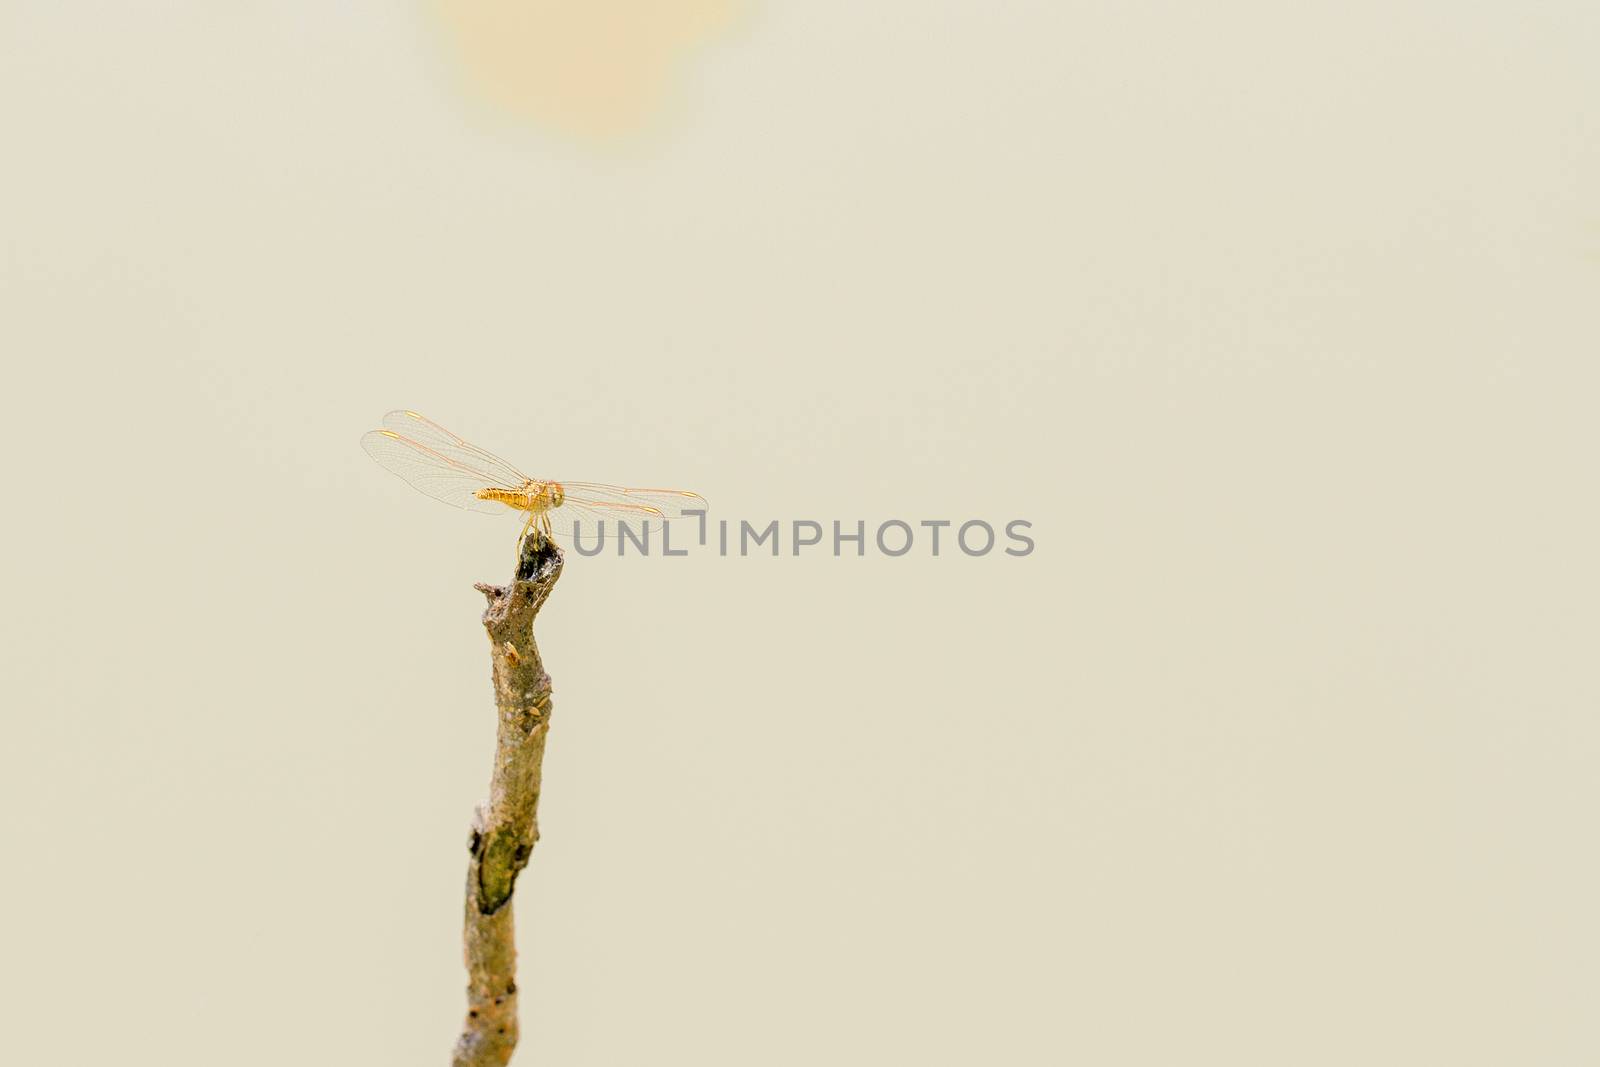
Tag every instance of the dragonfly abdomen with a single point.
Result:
(534, 497)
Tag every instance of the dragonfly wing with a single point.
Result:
(431, 471)
(430, 434)
(589, 504)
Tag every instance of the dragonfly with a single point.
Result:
(435, 461)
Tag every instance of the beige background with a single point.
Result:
(1278, 321)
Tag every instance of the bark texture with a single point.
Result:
(506, 827)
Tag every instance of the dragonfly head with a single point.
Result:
(558, 495)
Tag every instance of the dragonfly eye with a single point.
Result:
(557, 496)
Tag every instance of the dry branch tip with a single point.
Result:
(506, 828)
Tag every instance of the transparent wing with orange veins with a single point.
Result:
(444, 467)
(441, 442)
(589, 504)
(449, 468)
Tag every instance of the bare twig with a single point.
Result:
(506, 827)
